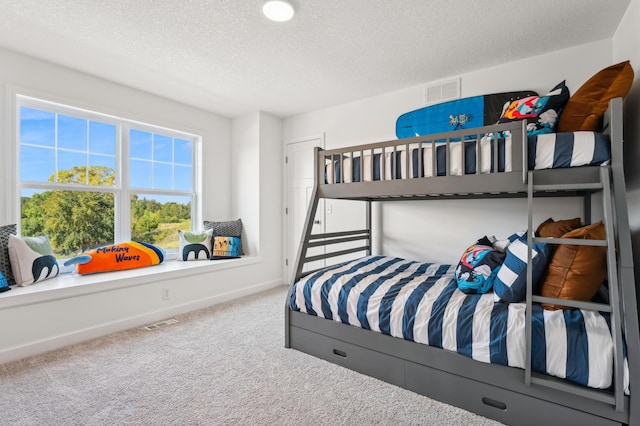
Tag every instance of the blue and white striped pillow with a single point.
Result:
(571, 149)
(510, 285)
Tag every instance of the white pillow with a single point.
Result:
(32, 259)
(195, 245)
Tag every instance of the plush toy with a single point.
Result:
(117, 257)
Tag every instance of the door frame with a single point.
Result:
(287, 269)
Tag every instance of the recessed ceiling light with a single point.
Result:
(278, 10)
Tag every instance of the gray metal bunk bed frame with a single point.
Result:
(507, 394)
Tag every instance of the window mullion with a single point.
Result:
(87, 150)
(196, 182)
(123, 199)
(55, 149)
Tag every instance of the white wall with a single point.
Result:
(627, 37)
(411, 228)
(271, 214)
(35, 327)
(245, 187)
(626, 45)
(257, 194)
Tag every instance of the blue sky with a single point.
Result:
(156, 161)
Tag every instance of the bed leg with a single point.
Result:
(287, 319)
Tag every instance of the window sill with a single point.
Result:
(72, 285)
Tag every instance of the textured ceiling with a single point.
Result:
(226, 57)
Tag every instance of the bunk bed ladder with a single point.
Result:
(612, 307)
(309, 240)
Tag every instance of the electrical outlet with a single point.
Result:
(165, 294)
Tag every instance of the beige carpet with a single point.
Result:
(217, 366)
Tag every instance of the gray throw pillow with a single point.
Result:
(5, 263)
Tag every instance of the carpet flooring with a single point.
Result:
(223, 365)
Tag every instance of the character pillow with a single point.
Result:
(478, 267)
(541, 112)
(117, 257)
(226, 247)
(32, 259)
(195, 245)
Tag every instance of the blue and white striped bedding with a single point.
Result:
(546, 151)
(421, 302)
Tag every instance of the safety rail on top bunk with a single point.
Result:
(418, 174)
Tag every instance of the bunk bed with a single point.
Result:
(329, 321)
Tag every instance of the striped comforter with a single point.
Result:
(421, 302)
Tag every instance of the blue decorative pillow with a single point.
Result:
(230, 228)
(226, 247)
(541, 112)
(510, 285)
(4, 286)
(478, 267)
(195, 245)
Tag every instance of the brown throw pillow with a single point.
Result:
(551, 229)
(576, 272)
(587, 105)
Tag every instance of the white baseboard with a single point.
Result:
(66, 339)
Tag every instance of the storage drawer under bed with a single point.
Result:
(484, 399)
(492, 401)
(353, 357)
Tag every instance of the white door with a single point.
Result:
(300, 182)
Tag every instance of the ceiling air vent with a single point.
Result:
(442, 91)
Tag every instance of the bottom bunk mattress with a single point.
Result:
(421, 302)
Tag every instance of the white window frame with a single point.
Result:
(121, 189)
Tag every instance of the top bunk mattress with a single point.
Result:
(421, 302)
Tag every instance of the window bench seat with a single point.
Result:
(69, 285)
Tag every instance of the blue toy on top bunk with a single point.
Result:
(465, 113)
(541, 113)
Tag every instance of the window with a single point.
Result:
(88, 179)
